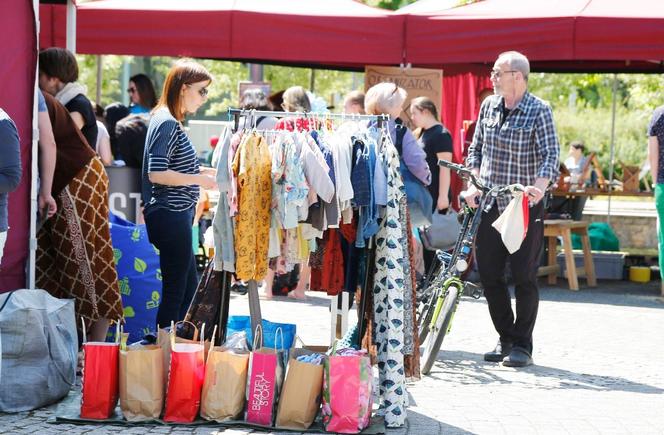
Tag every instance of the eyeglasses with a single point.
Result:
(131, 90)
(498, 73)
(203, 92)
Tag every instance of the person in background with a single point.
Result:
(275, 101)
(113, 113)
(142, 94)
(388, 98)
(74, 251)
(58, 72)
(576, 163)
(437, 144)
(515, 142)
(295, 99)
(103, 144)
(10, 171)
(656, 159)
(130, 133)
(47, 157)
(354, 103)
(255, 99)
(470, 130)
(171, 180)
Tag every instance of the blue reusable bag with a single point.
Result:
(243, 323)
(139, 276)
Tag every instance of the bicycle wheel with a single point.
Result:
(437, 333)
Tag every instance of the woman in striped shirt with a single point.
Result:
(171, 180)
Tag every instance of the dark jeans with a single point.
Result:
(491, 261)
(170, 232)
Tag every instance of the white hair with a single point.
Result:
(516, 61)
(384, 97)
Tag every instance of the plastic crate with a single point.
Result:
(608, 264)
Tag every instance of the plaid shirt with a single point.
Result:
(519, 149)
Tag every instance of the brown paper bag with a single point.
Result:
(141, 382)
(224, 386)
(301, 395)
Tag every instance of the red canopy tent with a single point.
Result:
(621, 31)
(197, 28)
(17, 70)
(325, 32)
(342, 33)
(558, 35)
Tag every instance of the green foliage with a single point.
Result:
(111, 76)
(593, 126)
(582, 106)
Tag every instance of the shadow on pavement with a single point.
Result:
(469, 368)
(421, 424)
(617, 293)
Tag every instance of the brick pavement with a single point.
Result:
(598, 356)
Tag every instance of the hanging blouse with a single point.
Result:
(252, 166)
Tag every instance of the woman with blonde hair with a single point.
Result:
(388, 99)
(171, 180)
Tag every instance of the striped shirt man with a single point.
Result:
(167, 147)
(515, 146)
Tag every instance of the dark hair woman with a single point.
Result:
(141, 93)
(58, 75)
(437, 144)
(171, 180)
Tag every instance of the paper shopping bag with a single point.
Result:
(141, 382)
(347, 389)
(225, 382)
(185, 381)
(164, 341)
(100, 378)
(300, 397)
(266, 371)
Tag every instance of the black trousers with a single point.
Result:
(491, 261)
(170, 232)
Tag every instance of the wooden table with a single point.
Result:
(564, 228)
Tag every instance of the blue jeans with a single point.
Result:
(170, 232)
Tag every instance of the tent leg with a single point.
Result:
(614, 91)
(71, 26)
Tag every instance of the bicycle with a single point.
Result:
(441, 295)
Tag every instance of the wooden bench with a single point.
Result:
(564, 228)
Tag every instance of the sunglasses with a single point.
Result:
(497, 73)
(131, 90)
(203, 92)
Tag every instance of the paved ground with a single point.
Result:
(598, 356)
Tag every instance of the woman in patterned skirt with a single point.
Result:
(74, 251)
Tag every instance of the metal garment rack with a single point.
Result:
(254, 302)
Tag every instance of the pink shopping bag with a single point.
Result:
(266, 373)
(347, 392)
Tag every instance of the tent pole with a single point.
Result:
(34, 168)
(99, 75)
(71, 26)
(614, 91)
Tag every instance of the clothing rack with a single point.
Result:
(254, 301)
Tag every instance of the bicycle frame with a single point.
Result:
(437, 311)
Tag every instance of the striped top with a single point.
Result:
(167, 146)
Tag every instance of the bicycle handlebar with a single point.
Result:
(467, 174)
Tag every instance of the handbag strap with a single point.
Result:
(400, 131)
(6, 300)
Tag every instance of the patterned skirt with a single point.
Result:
(74, 250)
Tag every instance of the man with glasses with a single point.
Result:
(515, 142)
